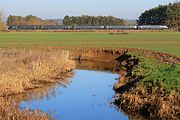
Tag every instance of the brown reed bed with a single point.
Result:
(139, 102)
(23, 69)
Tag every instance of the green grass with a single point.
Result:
(158, 76)
(160, 41)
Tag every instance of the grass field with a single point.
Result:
(160, 41)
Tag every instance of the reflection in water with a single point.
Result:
(42, 93)
(87, 97)
(46, 92)
(97, 66)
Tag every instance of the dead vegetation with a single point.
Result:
(26, 69)
(9, 110)
(150, 105)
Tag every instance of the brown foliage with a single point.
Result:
(152, 105)
(28, 20)
(26, 69)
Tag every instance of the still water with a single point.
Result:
(87, 97)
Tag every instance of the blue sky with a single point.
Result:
(47, 9)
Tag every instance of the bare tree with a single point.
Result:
(2, 22)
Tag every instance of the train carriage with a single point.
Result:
(152, 27)
(121, 27)
(86, 27)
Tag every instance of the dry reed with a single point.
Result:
(23, 69)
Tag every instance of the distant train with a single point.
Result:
(86, 27)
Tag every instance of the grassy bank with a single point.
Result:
(159, 41)
(151, 89)
(159, 75)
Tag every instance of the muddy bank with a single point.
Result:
(109, 55)
(162, 57)
(101, 55)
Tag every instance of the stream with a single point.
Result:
(86, 96)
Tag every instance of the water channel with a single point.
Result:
(86, 96)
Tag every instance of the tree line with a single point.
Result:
(92, 20)
(162, 15)
(28, 20)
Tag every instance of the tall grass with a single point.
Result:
(23, 69)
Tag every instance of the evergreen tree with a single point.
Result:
(162, 15)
